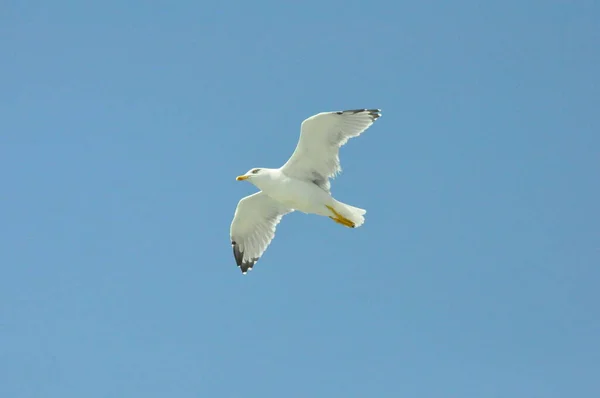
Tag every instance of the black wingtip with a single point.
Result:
(374, 113)
(244, 266)
(237, 253)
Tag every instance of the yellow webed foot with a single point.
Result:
(340, 219)
(343, 221)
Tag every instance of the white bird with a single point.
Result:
(302, 184)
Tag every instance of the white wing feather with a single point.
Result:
(316, 157)
(253, 228)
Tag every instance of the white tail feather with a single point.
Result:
(354, 214)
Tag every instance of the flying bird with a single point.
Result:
(302, 184)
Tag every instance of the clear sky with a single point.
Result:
(124, 124)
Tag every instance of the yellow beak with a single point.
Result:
(242, 178)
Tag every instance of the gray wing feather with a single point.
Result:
(316, 157)
(253, 228)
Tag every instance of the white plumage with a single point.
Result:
(302, 184)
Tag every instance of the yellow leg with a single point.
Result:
(340, 219)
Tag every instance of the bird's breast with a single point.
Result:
(297, 194)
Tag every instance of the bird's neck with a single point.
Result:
(268, 180)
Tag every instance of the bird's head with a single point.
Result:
(254, 175)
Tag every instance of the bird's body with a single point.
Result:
(294, 193)
(301, 184)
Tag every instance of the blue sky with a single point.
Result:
(124, 124)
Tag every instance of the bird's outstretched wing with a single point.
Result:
(253, 228)
(316, 157)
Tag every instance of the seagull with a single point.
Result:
(302, 184)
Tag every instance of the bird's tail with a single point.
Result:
(354, 214)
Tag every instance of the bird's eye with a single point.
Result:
(255, 171)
